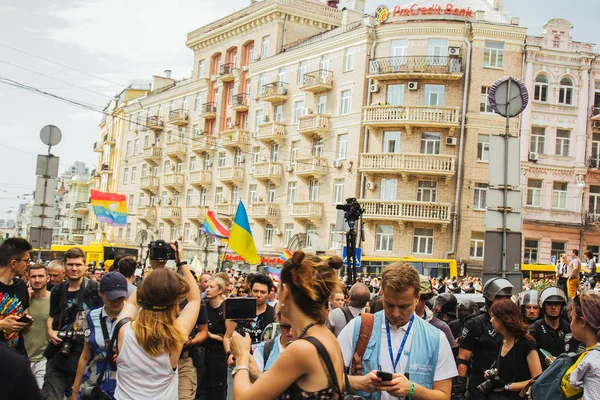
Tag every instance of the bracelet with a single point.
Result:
(239, 368)
(180, 263)
(412, 390)
(228, 353)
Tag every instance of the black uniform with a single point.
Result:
(554, 341)
(455, 327)
(479, 337)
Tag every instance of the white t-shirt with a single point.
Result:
(445, 367)
(258, 355)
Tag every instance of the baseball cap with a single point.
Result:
(425, 285)
(114, 285)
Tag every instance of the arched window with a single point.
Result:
(541, 88)
(565, 93)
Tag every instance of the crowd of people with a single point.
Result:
(70, 330)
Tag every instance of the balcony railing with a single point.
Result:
(311, 166)
(174, 181)
(267, 170)
(231, 174)
(235, 137)
(152, 154)
(226, 210)
(274, 92)
(170, 213)
(176, 149)
(226, 72)
(428, 164)
(406, 211)
(594, 162)
(196, 213)
(154, 123)
(313, 124)
(147, 214)
(98, 147)
(178, 117)
(317, 81)
(270, 132)
(427, 116)
(149, 183)
(239, 102)
(81, 208)
(201, 178)
(416, 67)
(310, 210)
(264, 211)
(201, 144)
(108, 139)
(208, 110)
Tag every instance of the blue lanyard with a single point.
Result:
(389, 339)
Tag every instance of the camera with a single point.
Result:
(352, 209)
(486, 386)
(161, 251)
(67, 338)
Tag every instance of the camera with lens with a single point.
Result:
(161, 250)
(67, 338)
(486, 386)
(352, 209)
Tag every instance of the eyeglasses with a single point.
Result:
(285, 327)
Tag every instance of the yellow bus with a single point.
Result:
(425, 266)
(99, 252)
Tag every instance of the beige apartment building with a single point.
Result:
(294, 106)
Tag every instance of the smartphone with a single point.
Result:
(240, 308)
(546, 354)
(25, 319)
(385, 376)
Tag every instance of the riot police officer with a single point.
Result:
(530, 308)
(445, 309)
(479, 342)
(466, 310)
(551, 333)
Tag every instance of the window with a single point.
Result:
(540, 90)
(594, 201)
(219, 195)
(595, 156)
(203, 196)
(130, 201)
(291, 192)
(128, 149)
(252, 196)
(557, 249)
(141, 200)
(311, 230)
(538, 139)
(197, 102)
(280, 75)
(563, 139)
(430, 143)
(395, 95)
(174, 233)
(274, 152)
(391, 142)
(477, 244)
(295, 146)
(530, 254)
(534, 193)
(384, 240)
(314, 188)
(287, 235)
(483, 148)
(186, 232)
(266, 42)
(146, 141)
(133, 174)
(342, 146)
(559, 195)
(189, 195)
(479, 197)
(434, 95)
(322, 104)
(268, 239)
(427, 191)
(317, 146)
(388, 189)
(201, 69)
(259, 118)
(125, 176)
(437, 51)
(349, 59)
(179, 166)
(271, 193)
(338, 191)
(262, 81)
(565, 92)
(484, 102)
(302, 71)
(278, 112)
(163, 198)
(192, 166)
(398, 52)
(238, 157)
(423, 241)
(255, 154)
(167, 167)
(345, 102)
(221, 159)
(335, 242)
(494, 54)
(195, 131)
(206, 162)
(136, 146)
(235, 195)
(120, 233)
(298, 111)
(161, 230)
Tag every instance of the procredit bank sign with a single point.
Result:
(382, 13)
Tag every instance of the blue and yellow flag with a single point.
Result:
(240, 237)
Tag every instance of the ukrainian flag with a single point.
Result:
(240, 237)
(110, 208)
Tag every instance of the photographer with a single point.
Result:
(69, 302)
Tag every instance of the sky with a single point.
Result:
(89, 50)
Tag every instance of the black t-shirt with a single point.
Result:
(513, 366)
(16, 379)
(255, 327)
(69, 313)
(455, 327)
(14, 300)
(216, 326)
(554, 341)
(479, 337)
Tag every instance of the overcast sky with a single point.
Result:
(102, 46)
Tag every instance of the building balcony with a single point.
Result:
(416, 67)
(178, 117)
(176, 150)
(239, 102)
(317, 81)
(147, 215)
(226, 72)
(98, 147)
(81, 208)
(204, 143)
(311, 167)
(208, 110)
(171, 214)
(311, 211)
(270, 132)
(226, 211)
(154, 123)
(408, 164)
(274, 92)
(149, 183)
(411, 116)
(201, 178)
(108, 139)
(174, 181)
(152, 154)
(403, 211)
(564, 218)
(235, 137)
(196, 213)
(313, 124)
(267, 171)
(106, 169)
(594, 162)
(231, 175)
(265, 212)
(77, 235)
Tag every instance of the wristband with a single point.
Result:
(180, 263)
(412, 390)
(228, 353)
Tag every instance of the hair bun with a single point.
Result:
(297, 257)
(335, 262)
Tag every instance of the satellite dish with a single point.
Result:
(508, 96)
(50, 135)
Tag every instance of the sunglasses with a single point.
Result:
(285, 327)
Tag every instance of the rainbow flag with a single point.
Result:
(213, 227)
(274, 272)
(110, 208)
(286, 255)
(240, 238)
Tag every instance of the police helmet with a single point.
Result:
(497, 287)
(554, 295)
(467, 308)
(529, 297)
(447, 303)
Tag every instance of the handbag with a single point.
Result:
(95, 392)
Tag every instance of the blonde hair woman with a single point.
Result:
(215, 358)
